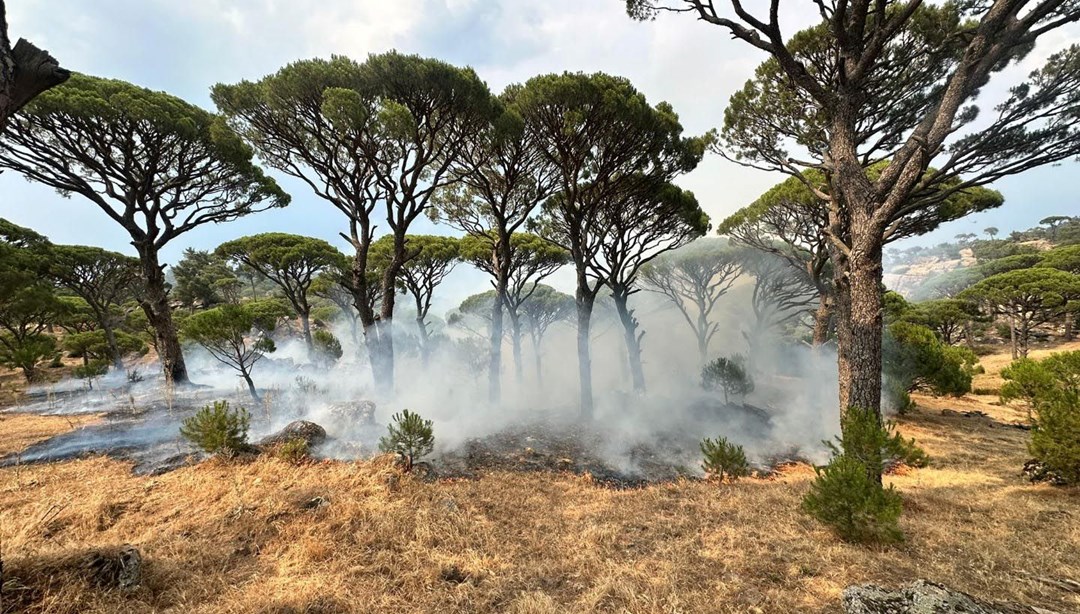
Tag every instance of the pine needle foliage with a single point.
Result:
(846, 495)
(409, 436)
(723, 458)
(215, 429)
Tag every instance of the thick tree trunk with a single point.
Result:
(155, 304)
(822, 316)
(1068, 333)
(305, 325)
(631, 338)
(702, 332)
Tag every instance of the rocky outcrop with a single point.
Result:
(925, 597)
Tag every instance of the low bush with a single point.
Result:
(723, 458)
(215, 429)
(846, 494)
(409, 436)
(293, 451)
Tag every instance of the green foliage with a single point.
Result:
(204, 279)
(846, 494)
(913, 357)
(946, 317)
(293, 451)
(1030, 297)
(844, 497)
(91, 370)
(409, 436)
(93, 345)
(1051, 389)
(26, 352)
(722, 457)
(327, 347)
(215, 429)
(994, 250)
(224, 333)
(1065, 258)
(728, 375)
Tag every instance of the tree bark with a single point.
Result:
(155, 304)
(631, 338)
(1012, 336)
(537, 359)
(584, 299)
(515, 346)
(821, 320)
(251, 385)
(25, 72)
(502, 282)
(305, 325)
(114, 348)
(425, 338)
(1068, 333)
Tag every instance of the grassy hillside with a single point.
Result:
(268, 536)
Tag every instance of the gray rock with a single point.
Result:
(303, 430)
(352, 414)
(121, 569)
(924, 597)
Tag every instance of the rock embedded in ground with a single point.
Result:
(924, 597)
(121, 569)
(353, 413)
(302, 430)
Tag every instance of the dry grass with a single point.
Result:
(19, 431)
(220, 538)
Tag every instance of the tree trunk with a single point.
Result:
(305, 325)
(1012, 336)
(495, 356)
(821, 320)
(1024, 337)
(25, 72)
(1068, 333)
(155, 304)
(969, 336)
(536, 357)
(702, 331)
(114, 348)
(425, 339)
(515, 345)
(584, 299)
(631, 338)
(251, 386)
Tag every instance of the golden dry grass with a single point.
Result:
(239, 538)
(19, 431)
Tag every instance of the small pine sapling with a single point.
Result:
(845, 496)
(722, 457)
(215, 429)
(410, 437)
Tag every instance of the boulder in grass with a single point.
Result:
(301, 430)
(120, 569)
(925, 597)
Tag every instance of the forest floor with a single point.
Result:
(271, 537)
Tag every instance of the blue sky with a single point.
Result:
(186, 47)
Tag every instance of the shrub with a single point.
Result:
(728, 375)
(854, 505)
(26, 353)
(846, 494)
(215, 429)
(57, 361)
(327, 347)
(1051, 389)
(294, 451)
(90, 370)
(914, 357)
(724, 458)
(410, 437)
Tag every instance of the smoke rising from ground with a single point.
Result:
(792, 408)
